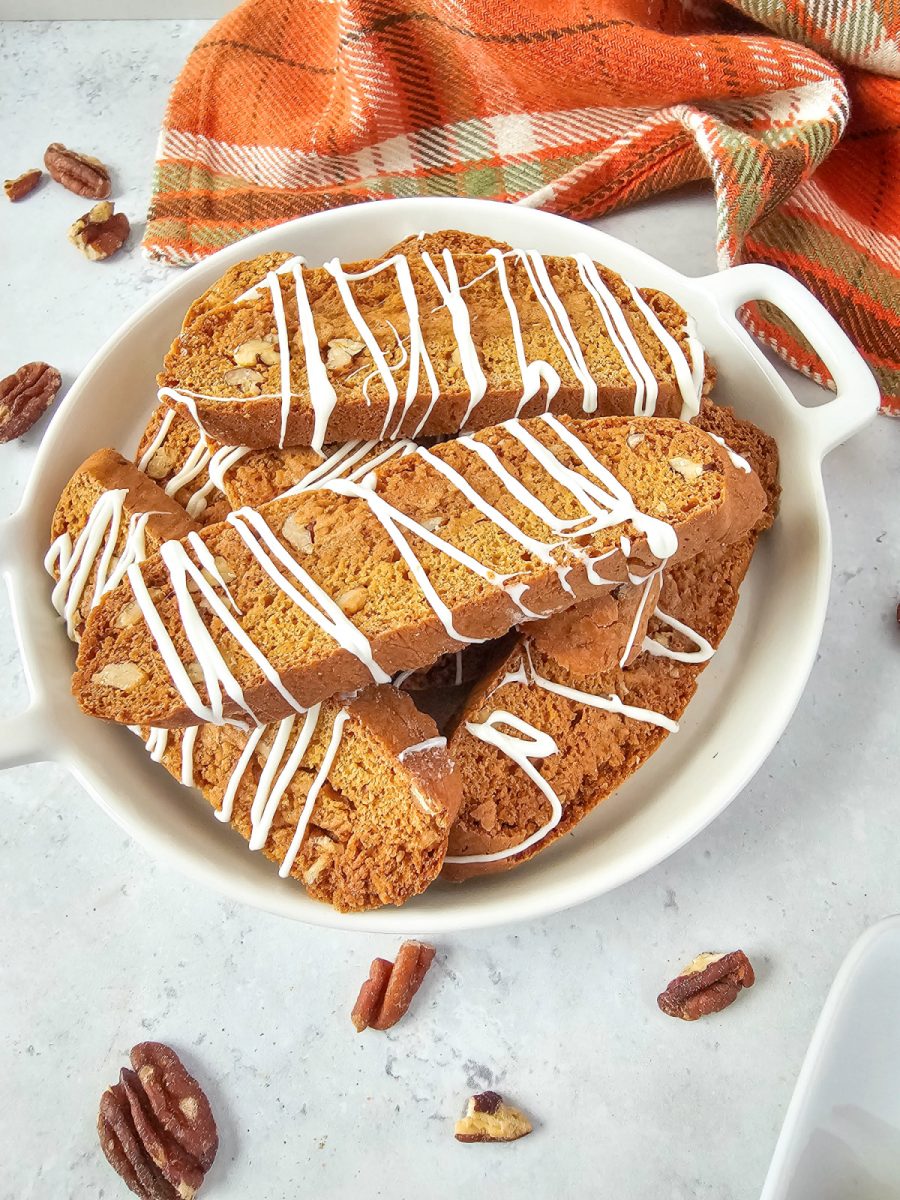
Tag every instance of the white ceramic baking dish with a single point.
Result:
(746, 696)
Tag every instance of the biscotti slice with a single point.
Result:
(422, 343)
(176, 455)
(109, 517)
(354, 801)
(537, 748)
(323, 591)
(580, 736)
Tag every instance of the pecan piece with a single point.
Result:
(387, 994)
(155, 1126)
(176, 1165)
(707, 985)
(22, 185)
(26, 396)
(124, 1150)
(177, 1100)
(490, 1119)
(101, 232)
(80, 173)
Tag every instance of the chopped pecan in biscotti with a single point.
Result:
(490, 1119)
(387, 994)
(707, 985)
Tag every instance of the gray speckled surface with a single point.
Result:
(102, 947)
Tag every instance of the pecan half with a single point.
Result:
(155, 1126)
(707, 985)
(490, 1119)
(387, 994)
(26, 396)
(177, 1099)
(177, 1166)
(101, 232)
(22, 185)
(80, 173)
(125, 1152)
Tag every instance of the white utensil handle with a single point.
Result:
(24, 737)
(857, 397)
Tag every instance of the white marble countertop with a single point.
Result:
(102, 947)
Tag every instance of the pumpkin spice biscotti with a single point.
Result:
(423, 343)
(109, 516)
(353, 801)
(324, 591)
(544, 738)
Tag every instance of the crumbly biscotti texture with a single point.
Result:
(347, 550)
(263, 475)
(379, 826)
(595, 635)
(237, 279)
(246, 408)
(598, 750)
(182, 444)
(104, 471)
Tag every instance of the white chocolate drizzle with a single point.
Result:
(737, 460)
(523, 750)
(161, 434)
(703, 653)
(435, 743)
(95, 545)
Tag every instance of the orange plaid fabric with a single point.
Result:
(291, 106)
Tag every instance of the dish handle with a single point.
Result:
(857, 398)
(24, 737)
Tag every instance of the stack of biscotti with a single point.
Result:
(442, 333)
(282, 559)
(367, 783)
(587, 718)
(322, 592)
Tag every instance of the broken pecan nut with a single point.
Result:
(490, 1119)
(100, 232)
(80, 173)
(26, 396)
(387, 994)
(707, 985)
(156, 1128)
(22, 185)
(177, 1099)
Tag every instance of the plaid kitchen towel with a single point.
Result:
(291, 106)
